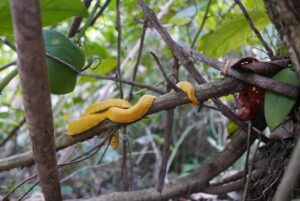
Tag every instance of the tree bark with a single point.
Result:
(36, 92)
(286, 18)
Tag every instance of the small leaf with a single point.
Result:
(179, 20)
(233, 33)
(95, 49)
(277, 106)
(233, 130)
(106, 66)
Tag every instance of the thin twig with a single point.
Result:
(5, 66)
(136, 84)
(69, 66)
(77, 21)
(172, 85)
(8, 43)
(135, 68)
(247, 160)
(229, 179)
(165, 151)
(18, 185)
(124, 166)
(179, 142)
(100, 12)
(202, 24)
(105, 149)
(13, 132)
(252, 26)
(164, 10)
(89, 20)
(249, 177)
(28, 191)
(119, 45)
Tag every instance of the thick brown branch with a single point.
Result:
(164, 102)
(286, 18)
(254, 79)
(36, 92)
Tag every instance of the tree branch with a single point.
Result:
(254, 79)
(164, 102)
(36, 92)
(196, 181)
(77, 21)
(136, 84)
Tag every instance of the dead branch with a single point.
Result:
(254, 79)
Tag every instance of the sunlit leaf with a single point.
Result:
(233, 33)
(106, 66)
(179, 20)
(277, 106)
(232, 129)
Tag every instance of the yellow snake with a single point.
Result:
(121, 111)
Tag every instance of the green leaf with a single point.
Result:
(8, 121)
(232, 130)
(53, 12)
(106, 66)
(254, 5)
(277, 106)
(232, 34)
(95, 49)
(179, 20)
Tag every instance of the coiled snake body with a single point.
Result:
(121, 111)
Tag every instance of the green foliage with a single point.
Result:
(232, 130)
(231, 34)
(277, 106)
(53, 12)
(62, 80)
(106, 66)
(179, 20)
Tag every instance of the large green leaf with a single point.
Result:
(277, 106)
(53, 12)
(233, 33)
